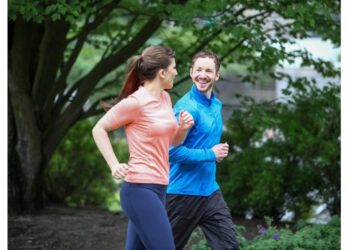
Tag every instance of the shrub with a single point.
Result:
(284, 155)
(78, 175)
(310, 237)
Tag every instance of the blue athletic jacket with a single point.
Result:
(193, 163)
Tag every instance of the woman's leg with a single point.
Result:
(133, 241)
(144, 206)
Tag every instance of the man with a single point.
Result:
(193, 195)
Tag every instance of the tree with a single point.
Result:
(47, 37)
(286, 155)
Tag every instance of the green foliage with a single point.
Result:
(311, 237)
(40, 10)
(307, 237)
(79, 176)
(285, 155)
(235, 31)
(198, 241)
(90, 42)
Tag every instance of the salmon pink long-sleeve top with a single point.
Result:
(150, 126)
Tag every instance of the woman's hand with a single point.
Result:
(185, 123)
(119, 171)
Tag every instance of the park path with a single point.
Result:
(64, 228)
(67, 228)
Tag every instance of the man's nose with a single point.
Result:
(202, 75)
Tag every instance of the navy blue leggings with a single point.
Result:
(149, 227)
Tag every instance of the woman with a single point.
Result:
(145, 109)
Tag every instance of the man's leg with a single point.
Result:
(217, 224)
(184, 212)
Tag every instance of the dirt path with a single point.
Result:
(64, 228)
(67, 228)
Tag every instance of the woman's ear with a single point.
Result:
(161, 73)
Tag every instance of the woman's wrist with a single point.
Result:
(119, 170)
(114, 167)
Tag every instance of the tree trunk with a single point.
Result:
(36, 128)
(15, 177)
(25, 156)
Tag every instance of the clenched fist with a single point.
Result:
(186, 120)
(220, 151)
(120, 170)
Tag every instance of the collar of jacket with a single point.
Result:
(200, 97)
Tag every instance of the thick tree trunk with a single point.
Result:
(25, 136)
(15, 176)
(26, 156)
(36, 126)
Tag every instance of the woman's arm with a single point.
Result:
(125, 112)
(100, 135)
(185, 123)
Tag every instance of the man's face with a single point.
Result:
(203, 75)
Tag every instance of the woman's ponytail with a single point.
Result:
(143, 68)
(131, 82)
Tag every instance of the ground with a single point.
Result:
(61, 228)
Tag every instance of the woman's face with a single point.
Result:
(169, 74)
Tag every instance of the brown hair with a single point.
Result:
(203, 54)
(141, 68)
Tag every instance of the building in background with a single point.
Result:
(230, 85)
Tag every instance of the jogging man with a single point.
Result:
(193, 195)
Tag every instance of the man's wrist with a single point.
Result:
(212, 154)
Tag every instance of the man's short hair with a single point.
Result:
(209, 54)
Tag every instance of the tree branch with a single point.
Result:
(106, 84)
(231, 50)
(60, 85)
(51, 53)
(85, 85)
(227, 9)
(128, 29)
(209, 38)
(104, 12)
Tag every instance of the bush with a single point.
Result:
(78, 175)
(284, 155)
(197, 240)
(308, 237)
(311, 237)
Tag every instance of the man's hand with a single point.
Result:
(220, 151)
